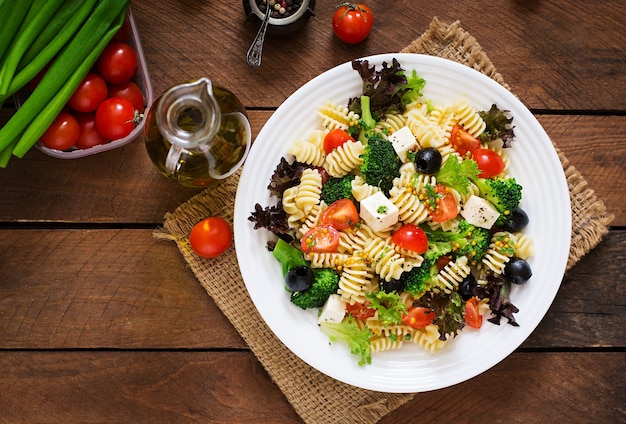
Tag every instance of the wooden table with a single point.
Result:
(99, 322)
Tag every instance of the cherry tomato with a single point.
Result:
(320, 239)
(473, 318)
(211, 237)
(89, 134)
(418, 317)
(335, 138)
(463, 141)
(89, 94)
(129, 91)
(446, 208)
(352, 23)
(489, 162)
(123, 34)
(341, 214)
(412, 238)
(115, 118)
(62, 133)
(117, 63)
(360, 310)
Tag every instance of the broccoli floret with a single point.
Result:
(467, 240)
(337, 188)
(358, 340)
(418, 280)
(504, 193)
(325, 283)
(380, 164)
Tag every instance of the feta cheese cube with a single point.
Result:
(378, 212)
(334, 310)
(403, 141)
(480, 212)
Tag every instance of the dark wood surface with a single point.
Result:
(99, 322)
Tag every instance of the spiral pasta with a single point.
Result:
(468, 117)
(361, 190)
(452, 274)
(356, 280)
(344, 159)
(309, 151)
(336, 116)
(309, 190)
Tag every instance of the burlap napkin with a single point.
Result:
(316, 397)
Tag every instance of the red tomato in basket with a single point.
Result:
(89, 134)
(115, 118)
(117, 63)
(89, 94)
(62, 133)
(129, 91)
(211, 237)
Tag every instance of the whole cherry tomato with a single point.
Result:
(412, 238)
(129, 91)
(115, 118)
(89, 134)
(62, 133)
(352, 22)
(336, 138)
(117, 63)
(489, 162)
(211, 237)
(89, 94)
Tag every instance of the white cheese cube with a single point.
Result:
(378, 211)
(333, 311)
(480, 212)
(403, 141)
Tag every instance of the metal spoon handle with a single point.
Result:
(256, 49)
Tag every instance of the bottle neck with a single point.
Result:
(188, 115)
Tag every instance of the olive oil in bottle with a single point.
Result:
(197, 133)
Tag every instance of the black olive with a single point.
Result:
(299, 278)
(428, 161)
(390, 286)
(516, 221)
(517, 270)
(466, 287)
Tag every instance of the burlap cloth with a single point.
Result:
(316, 397)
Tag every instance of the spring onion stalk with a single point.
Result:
(13, 14)
(96, 28)
(55, 27)
(47, 115)
(40, 13)
(45, 55)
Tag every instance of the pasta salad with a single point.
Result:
(397, 217)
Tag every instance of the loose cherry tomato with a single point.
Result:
(129, 91)
(115, 118)
(489, 162)
(117, 63)
(473, 318)
(89, 94)
(360, 310)
(340, 215)
(412, 238)
(463, 141)
(418, 317)
(211, 237)
(62, 133)
(320, 239)
(446, 207)
(335, 138)
(89, 134)
(352, 23)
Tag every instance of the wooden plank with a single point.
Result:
(128, 189)
(117, 289)
(537, 46)
(231, 387)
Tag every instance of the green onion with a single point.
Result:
(40, 13)
(94, 34)
(33, 65)
(13, 14)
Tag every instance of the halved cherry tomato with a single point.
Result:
(89, 94)
(418, 317)
(360, 310)
(489, 162)
(352, 22)
(412, 238)
(320, 239)
(473, 318)
(62, 133)
(446, 207)
(335, 138)
(463, 141)
(211, 237)
(340, 215)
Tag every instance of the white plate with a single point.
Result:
(535, 165)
